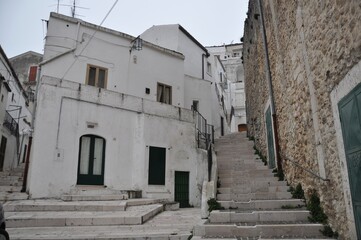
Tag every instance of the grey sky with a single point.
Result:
(211, 22)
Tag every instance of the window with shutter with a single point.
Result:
(32, 73)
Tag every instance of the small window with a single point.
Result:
(164, 93)
(195, 105)
(13, 97)
(96, 76)
(209, 68)
(156, 174)
(236, 54)
(220, 77)
(32, 73)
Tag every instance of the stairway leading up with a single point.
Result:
(256, 205)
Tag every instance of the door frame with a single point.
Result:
(345, 86)
(90, 179)
(175, 187)
(349, 97)
(266, 110)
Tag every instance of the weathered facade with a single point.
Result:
(314, 58)
(230, 56)
(113, 111)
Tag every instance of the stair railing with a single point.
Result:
(205, 131)
(303, 168)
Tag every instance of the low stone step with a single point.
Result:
(10, 188)
(5, 196)
(257, 195)
(302, 230)
(263, 204)
(98, 232)
(133, 216)
(96, 197)
(173, 225)
(58, 205)
(253, 187)
(231, 216)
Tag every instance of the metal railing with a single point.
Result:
(305, 169)
(11, 124)
(205, 131)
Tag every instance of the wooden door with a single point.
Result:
(350, 116)
(181, 187)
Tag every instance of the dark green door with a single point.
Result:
(350, 116)
(91, 160)
(271, 152)
(181, 189)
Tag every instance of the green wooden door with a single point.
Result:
(181, 189)
(91, 160)
(271, 152)
(350, 116)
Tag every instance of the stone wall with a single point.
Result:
(312, 46)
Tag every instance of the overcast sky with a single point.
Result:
(211, 22)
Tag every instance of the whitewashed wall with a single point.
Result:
(129, 125)
(128, 71)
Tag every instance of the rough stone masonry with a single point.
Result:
(312, 47)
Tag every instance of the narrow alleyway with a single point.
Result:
(256, 205)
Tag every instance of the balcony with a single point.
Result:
(11, 124)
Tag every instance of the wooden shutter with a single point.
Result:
(32, 73)
(156, 175)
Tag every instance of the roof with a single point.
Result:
(193, 39)
(26, 53)
(114, 32)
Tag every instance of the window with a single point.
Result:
(96, 76)
(32, 73)
(220, 77)
(156, 174)
(195, 105)
(236, 54)
(209, 68)
(164, 93)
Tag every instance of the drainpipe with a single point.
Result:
(270, 88)
(203, 55)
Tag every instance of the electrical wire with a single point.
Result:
(75, 59)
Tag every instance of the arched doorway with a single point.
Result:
(91, 160)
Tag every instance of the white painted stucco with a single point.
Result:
(129, 119)
(129, 126)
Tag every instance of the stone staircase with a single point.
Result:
(256, 205)
(11, 183)
(93, 213)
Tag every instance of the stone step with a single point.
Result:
(98, 232)
(173, 225)
(230, 216)
(10, 188)
(246, 181)
(5, 196)
(58, 205)
(95, 197)
(301, 230)
(11, 183)
(252, 187)
(263, 204)
(254, 196)
(17, 174)
(132, 216)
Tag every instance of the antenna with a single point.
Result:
(73, 7)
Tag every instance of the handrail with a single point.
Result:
(305, 169)
(205, 131)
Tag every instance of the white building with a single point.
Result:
(231, 57)
(110, 112)
(15, 117)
